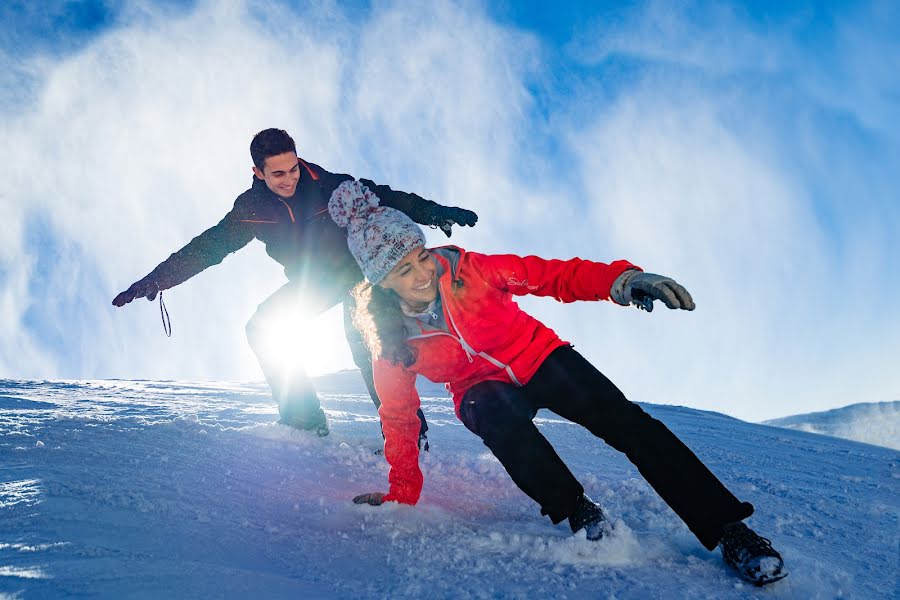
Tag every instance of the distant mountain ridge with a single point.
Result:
(876, 423)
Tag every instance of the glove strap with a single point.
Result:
(641, 300)
(164, 315)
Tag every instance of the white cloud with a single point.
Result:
(139, 141)
(772, 207)
(709, 37)
(676, 192)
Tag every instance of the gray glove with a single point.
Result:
(642, 289)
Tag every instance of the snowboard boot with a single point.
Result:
(320, 429)
(587, 515)
(299, 417)
(751, 555)
(423, 442)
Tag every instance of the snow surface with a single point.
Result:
(160, 489)
(875, 423)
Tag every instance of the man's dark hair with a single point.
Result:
(270, 142)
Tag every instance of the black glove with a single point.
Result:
(373, 498)
(145, 288)
(642, 289)
(444, 217)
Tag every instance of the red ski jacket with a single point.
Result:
(486, 337)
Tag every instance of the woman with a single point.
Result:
(449, 315)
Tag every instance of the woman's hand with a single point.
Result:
(373, 498)
(642, 289)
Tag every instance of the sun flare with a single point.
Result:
(316, 342)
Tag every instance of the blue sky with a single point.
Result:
(749, 150)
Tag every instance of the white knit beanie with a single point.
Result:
(378, 236)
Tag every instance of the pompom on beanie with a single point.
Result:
(378, 236)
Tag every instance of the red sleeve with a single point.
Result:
(396, 387)
(565, 280)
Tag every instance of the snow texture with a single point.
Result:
(160, 489)
(875, 423)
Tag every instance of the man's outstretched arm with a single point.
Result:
(420, 210)
(207, 249)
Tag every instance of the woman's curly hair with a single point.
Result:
(378, 318)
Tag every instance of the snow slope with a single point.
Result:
(868, 422)
(154, 489)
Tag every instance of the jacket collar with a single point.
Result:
(448, 259)
(261, 190)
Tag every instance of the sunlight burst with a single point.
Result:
(316, 342)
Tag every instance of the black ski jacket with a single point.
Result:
(298, 232)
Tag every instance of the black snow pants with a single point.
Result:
(292, 388)
(566, 383)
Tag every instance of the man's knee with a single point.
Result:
(358, 349)
(259, 324)
(252, 329)
(362, 358)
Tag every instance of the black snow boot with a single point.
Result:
(587, 515)
(751, 555)
(423, 442)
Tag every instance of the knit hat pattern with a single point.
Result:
(378, 236)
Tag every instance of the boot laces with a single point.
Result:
(742, 543)
(586, 514)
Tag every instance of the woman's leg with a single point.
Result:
(500, 414)
(570, 386)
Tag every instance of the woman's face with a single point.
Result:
(414, 278)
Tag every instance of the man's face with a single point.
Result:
(281, 174)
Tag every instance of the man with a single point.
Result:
(287, 209)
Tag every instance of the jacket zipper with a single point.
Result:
(290, 212)
(468, 349)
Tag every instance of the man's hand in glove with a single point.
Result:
(444, 217)
(373, 498)
(145, 288)
(632, 285)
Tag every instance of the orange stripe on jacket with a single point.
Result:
(311, 173)
(290, 212)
